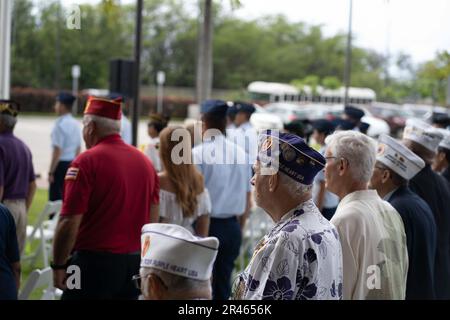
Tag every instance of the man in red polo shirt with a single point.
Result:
(110, 191)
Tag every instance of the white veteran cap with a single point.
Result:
(422, 133)
(398, 158)
(172, 248)
(445, 143)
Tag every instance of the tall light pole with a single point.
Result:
(76, 72)
(5, 47)
(348, 55)
(137, 79)
(160, 79)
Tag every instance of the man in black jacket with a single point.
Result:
(395, 166)
(423, 140)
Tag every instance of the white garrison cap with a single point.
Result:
(445, 143)
(422, 133)
(174, 249)
(398, 157)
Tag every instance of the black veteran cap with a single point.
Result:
(324, 126)
(353, 113)
(9, 107)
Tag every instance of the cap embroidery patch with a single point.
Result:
(145, 246)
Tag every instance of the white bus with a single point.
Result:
(281, 92)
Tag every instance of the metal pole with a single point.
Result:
(348, 55)
(5, 47)
(160, 98)
(137, 63)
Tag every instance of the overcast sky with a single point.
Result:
(418, 27)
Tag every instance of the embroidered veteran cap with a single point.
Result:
(104, 108)
(291, 154)
(172, 248)
(398, 157)
(422, 133)
(9, 107)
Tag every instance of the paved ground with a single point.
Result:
(35, 132)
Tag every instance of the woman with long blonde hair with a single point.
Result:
(184, 200)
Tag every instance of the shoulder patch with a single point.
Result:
(72, 173)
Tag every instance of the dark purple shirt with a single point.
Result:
(16, 167)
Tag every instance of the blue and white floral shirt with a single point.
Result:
(299, 259)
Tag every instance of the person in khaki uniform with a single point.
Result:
(17, 179)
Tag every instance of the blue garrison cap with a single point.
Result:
(353, 112)
(244, 107)
(293, 156)
(323, 125)
(216, 107)
(65, 98)
(232, 110)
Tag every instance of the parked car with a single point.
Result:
(394, 115)
(264, 120)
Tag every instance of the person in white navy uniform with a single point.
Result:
(66, 144)
(227, 177)
(125, 124)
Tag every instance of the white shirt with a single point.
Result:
(246, 137)
(125, 129)
(300, 259)
(66, 135)
(373, 246)
(152, 152)
(227, 176)
(172, 212)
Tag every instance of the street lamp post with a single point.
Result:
(348, 55)
(76, 72)
(160, 79)
(137, 63)
(5, 47)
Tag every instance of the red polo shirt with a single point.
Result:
(112, 185)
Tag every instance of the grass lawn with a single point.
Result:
(39, 202)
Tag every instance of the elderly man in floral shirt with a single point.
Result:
(300, 258)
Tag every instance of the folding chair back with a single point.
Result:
(39, 279)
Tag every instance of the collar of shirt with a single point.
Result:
(216, 137)
(388, 196)
(113, 138)
(245, 126)
(290, 213)
(359, 195)
(7, 134)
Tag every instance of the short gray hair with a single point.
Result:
(358, 149)
(8, 121)
(178, 283)
(293, 188)
(104, 124)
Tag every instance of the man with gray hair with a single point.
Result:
(110, 191)
(372, 234)
(175, 264)
(17, 179)
(300, 258)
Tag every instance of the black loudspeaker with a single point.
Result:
(121, 77)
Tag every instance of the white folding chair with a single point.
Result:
(43, 230)
(40, 279)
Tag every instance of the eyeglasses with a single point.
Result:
(137, 280)
(328, 158)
